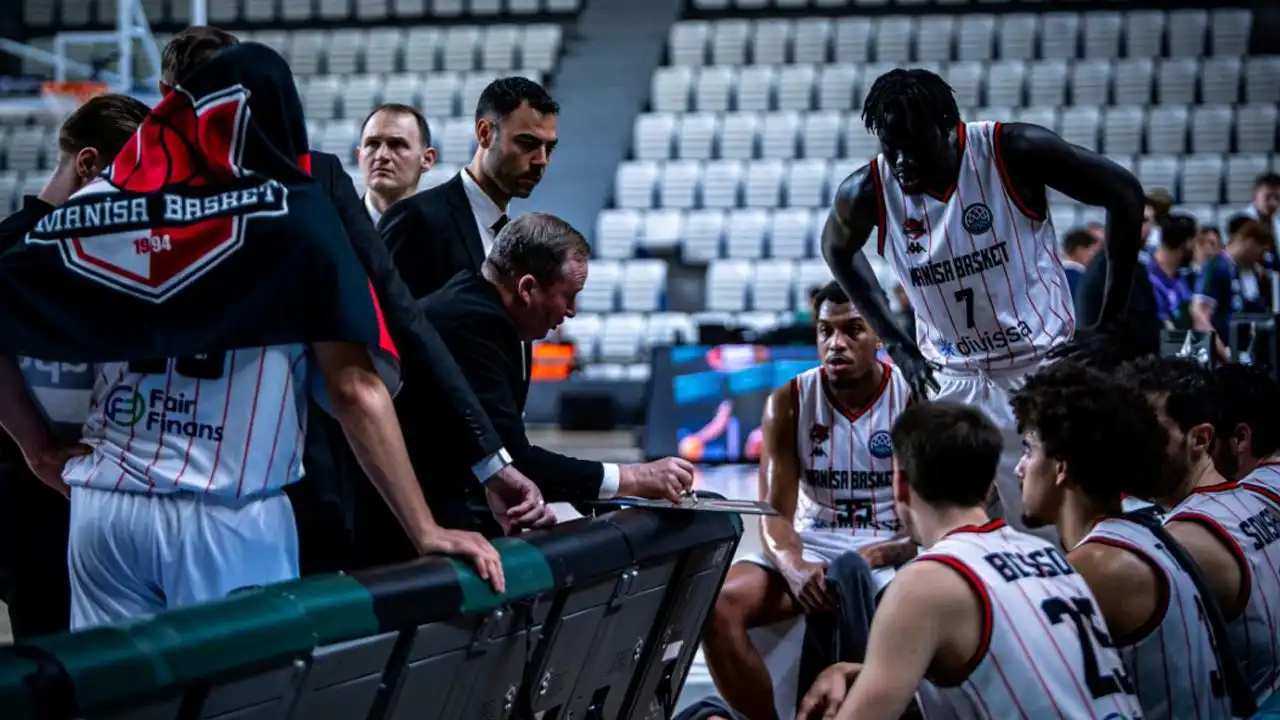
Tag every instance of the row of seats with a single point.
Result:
(787, 135)
(332, 97)
(1208, 178)
(939, 38)
(627, 337)
(78, 13)
(630, 285)
(1091, 83)
(786, 233)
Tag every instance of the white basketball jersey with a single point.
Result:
(1265, 479)
(1250, 525)
(846, 457)
(1045, 650)
(982, 272)
(227, 424)
(1173, 664)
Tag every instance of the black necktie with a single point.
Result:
(500, 223)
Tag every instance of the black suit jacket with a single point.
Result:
(475, 326)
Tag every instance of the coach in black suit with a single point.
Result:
(527, 286)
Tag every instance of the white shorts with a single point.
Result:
(132, 554)
(825, 546)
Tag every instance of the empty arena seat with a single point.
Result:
(600, 293)
(662, 229)
(806, 183)
(703, 235)
(622, 337)
(634, 184)
(762, 184)
(670, 329)
(790, 231)
(727, 282)
(584, 331)
(772, 286)
(721, 182)
(1211, 129)
(653, 134)
(643, 285)
(679, 184)
(745, 233)
(616, 233)
(1256, 128)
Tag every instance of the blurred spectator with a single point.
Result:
(1255, 280)
(1096, 229)
(1266, 201)
(1078, 248)
(1159, 202)
(1208, 244)
(1165, 267)
(1219, 291)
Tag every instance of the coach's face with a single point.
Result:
(544, 308)
(919, 153)
(846, 344)
(1042, 479)
(518, 149)
(392, 154)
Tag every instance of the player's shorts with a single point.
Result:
(990, 391)
(131, 554)
(825, 546)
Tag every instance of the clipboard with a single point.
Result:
(695, 503)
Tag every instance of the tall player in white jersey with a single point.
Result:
(960, 211)
(826, 466)
(987, 622)
(1233, 533)
(1086, 440)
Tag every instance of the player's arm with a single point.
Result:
(780, 478)
(854, 216)
(360, 401)
(1035, 156)
(1125, 586)
(1215, 559)
(926, 608)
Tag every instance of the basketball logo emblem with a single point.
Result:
(976, 219)
(881, 445)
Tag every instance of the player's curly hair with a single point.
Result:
(1249, 395)
(1186, 386)
(919, 94)
(1106, 433)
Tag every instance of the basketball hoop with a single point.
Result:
(64, 97)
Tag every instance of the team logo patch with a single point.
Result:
(124, 406)
(819, 434)
(881, 445)
(976, 219)
(913, 229)
(914, 248)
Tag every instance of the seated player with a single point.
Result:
(827, 468)
(1233, 534)
(987, 622)
(1248, 432)
(1085, 439)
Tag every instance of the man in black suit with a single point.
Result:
(394, 153)
(323, 500)
(527, 286)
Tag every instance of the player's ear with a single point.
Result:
(87, 164)
(1200, 439)
(1059, 473)
(486, 132)
(1241, 439)
(525, 287)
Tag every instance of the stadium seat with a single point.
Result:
(744, 234)
(1211, 129)
(634, 184)
(1262, 80)
(600, 294)
(1201, 179)
(1016, 38)
(1256, 128)
(1187, 32)
(770, 41)
(9, 198)
(1176, 81)
(1158, 171)
(762, 184)
(662, 229)
(789, 233)
(1059, 35)
(583, 331)
(1144, 33)
(622, 337)
(643, 285)
(771, 288)
(810, 274)
(679, 184)
(703, 235)
(727, 282)
(652, 137)
(407, 88)
(729, 42)
(966, 78)
(1122, 128)
(1102, 32)
(820, 134)
(1079, 126)
(1134, 81)
(806, 183)
(739, 133)
(1167, 129)
(696, 136)
(1220, 80)
(795, 87)
(616, 233)
(1047, 83)
(721, 182)
(1241, 172)
(670, 329)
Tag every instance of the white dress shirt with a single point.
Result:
(487, 215)
(374, 213)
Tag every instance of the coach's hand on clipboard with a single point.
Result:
(47, 464)
(670, 478)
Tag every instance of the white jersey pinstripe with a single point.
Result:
(1249, 524)
(1045, 650)
(229, 424)
(981, 270)
(1171, 661)
(1266, 478)
(846, 457)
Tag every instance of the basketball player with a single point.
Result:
(1248, 432)
(1086, 439)
(987, 622)
(1232, 533)
(826, 467)
(960, 211)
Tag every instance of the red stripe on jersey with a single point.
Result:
(385, 344)
(1262, 490)
(226, 409)
(1009, 189)
(880, 211)
(186, 454)
(1162, 590)
(850, 413)
(253, 418)
(988, 618)
(168, 386)
(946, 307)
(988, 526)
(1215, 529)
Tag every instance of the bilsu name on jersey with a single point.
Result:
(960, 267)
(158, 411)
(1046, 563)
(120, 212)
(1263, 528)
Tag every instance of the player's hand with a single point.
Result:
(828, 691)
(48, 463)
(482, 555)
(669, 478)
(516, 502)
(808, 583)
(890, 553)
(1107, 345)
(916, 369)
